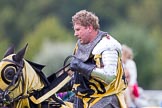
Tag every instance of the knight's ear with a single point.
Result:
(20, 55)
(9, 51)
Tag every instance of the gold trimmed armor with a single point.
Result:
(107, 78)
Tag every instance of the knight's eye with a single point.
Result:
(9, 73)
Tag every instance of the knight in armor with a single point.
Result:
(98, 79)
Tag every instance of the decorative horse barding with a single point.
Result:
(24, 85)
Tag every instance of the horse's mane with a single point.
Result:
(35, 65)
(27, 81)
(38, 68)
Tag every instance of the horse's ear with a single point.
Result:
(19, 56)
(9, 51)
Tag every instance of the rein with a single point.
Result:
(65, 65)
(4, 95)
(5, 99)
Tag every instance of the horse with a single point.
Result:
(24, 85)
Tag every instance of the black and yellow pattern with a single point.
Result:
(30, 88)
(96, 89)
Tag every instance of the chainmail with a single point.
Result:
(84, 50)
(107, 102)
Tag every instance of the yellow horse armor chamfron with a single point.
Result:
(23, 84)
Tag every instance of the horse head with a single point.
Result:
(9, 66)
(17, 76)
(23, 84)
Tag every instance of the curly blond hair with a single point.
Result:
(86, 18)
(128, 50)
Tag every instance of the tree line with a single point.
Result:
(136, 23)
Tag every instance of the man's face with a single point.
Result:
(82, 33)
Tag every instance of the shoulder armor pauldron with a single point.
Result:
(107, 43)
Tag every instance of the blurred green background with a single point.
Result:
(46, 26)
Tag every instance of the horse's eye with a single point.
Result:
(9, 73)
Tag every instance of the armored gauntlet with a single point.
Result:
(78, 65)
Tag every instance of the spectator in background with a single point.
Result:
(132, 92)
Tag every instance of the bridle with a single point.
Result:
(5, 99)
